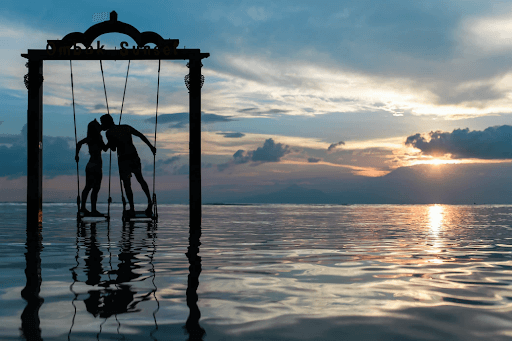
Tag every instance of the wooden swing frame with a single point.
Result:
(67, 49)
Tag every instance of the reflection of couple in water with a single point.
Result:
(119, 138)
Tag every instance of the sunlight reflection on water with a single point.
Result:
(286, 272)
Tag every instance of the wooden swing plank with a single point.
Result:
(92, 215)
(89, 217)
(138, 215)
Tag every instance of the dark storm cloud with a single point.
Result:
(58, 156)
(232, 135)
(334, 145)
(100, 106)
(491, 143)
(180, 120)
(314, 160)
(269, 152)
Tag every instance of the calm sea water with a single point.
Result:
(266, 272)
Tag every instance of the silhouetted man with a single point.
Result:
(120, 137)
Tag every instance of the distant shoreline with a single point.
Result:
(267, 203)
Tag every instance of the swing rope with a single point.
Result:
(156, 124)
(155, 208)
(110, 161)
(76, 139)
(120, 116)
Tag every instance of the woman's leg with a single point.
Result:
(85, 193)
(95, 189)
(89, 184)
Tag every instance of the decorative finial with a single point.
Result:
(113, 16)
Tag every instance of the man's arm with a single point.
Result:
(143, 138)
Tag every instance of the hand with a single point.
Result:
(77, 158)
(153, 149)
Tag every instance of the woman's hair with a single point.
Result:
(94, 133)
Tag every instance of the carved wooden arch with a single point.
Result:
(114, 26)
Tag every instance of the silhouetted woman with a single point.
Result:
(94, 168)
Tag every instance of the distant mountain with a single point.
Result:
(294, 194)
(479, 183)
(421, 184)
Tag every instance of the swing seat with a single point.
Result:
(138, 215)
(82, 215)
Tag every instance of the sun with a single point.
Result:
(436, 162)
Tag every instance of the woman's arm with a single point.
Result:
(78, 147)
(103, 145)
(110, 143)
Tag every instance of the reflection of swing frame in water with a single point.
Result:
(61, 50)
(116, 296)
(30, 324)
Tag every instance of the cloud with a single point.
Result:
(491, 143)
(180, 120)
(490, 33)
(269, 152)
(223, 166)
(232, 135)
(10, 138)
(253, 111)
(314, 160)
(170, 167)
(334, 145)
(58, 155)
(181, 170)
(160, 164)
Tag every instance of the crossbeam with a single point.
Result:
(104, 54)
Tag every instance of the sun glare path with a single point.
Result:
(435, 217)
(435, 223)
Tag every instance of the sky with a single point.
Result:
(363, 101)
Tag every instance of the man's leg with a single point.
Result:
(128, 190)
(145, 188)
(94, 199)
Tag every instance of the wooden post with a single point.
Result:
(195, 143)
(30, 322)
(195, 331)
(35, 144)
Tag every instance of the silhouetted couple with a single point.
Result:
(119, 138)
